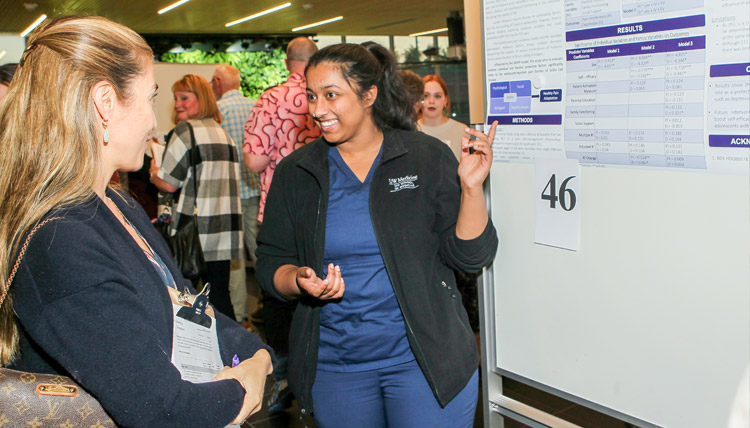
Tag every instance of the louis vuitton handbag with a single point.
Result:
(45, 400)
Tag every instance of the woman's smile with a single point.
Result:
(327, 125)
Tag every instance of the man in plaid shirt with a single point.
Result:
(235, 109)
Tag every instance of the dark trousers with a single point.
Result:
(218, 276)
(277, 321)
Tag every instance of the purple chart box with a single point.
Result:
(498, 89)
(522, 88)
(550, 95)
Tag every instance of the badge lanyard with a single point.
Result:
(195, 342)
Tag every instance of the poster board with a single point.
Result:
(649, 319)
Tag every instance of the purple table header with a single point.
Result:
(637, 28)
(726, 70)
(641, 48)
(541, 119)
(729, 141)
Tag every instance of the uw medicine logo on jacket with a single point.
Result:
(401, 183)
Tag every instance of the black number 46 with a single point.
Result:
(567, 196)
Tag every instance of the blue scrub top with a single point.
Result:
(364, 330)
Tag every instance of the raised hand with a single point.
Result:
(474, 167)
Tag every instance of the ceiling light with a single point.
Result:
(265, 12)
(2, 54)
(31, 27)
(315, 24)
(424, 33)
(172, 6)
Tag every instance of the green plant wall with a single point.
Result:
(259, 70)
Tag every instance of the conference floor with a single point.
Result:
(563, 409)
(578, 415)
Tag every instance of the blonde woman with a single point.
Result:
(217, 170)
(91, 296)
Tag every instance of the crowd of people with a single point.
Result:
(348, 187)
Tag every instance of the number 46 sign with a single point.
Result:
(557, 198)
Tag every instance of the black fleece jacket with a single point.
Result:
(414, 201)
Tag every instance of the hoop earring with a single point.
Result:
(105, 123)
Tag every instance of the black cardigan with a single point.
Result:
(90, 305)
(414, 202)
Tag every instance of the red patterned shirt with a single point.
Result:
(279, 124)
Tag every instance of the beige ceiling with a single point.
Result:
(365, 17)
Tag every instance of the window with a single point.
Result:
(323, 41)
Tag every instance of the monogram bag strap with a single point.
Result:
(13, 271)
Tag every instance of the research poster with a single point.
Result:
(621, 83)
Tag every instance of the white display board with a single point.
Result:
(649, 319)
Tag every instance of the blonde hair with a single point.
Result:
(198, 86)
(50, 133)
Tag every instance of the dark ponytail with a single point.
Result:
(368, 64)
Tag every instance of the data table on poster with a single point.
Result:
(635, 84)
(637, 103)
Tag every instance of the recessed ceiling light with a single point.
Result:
(31, 27)
(265, 12)
(424, 33)
(172, 6)
(315, 24)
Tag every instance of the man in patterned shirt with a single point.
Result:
(279, 124)
(235, 109)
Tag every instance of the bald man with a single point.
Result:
(283, 107)
(235, 109)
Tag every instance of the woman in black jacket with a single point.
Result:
(364, 227)
(90, 288)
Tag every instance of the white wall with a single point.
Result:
(13, 45)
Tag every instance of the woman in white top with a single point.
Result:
(434, 120)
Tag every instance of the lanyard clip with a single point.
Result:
(197, 313)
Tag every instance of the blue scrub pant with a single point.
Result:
(395, 397)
